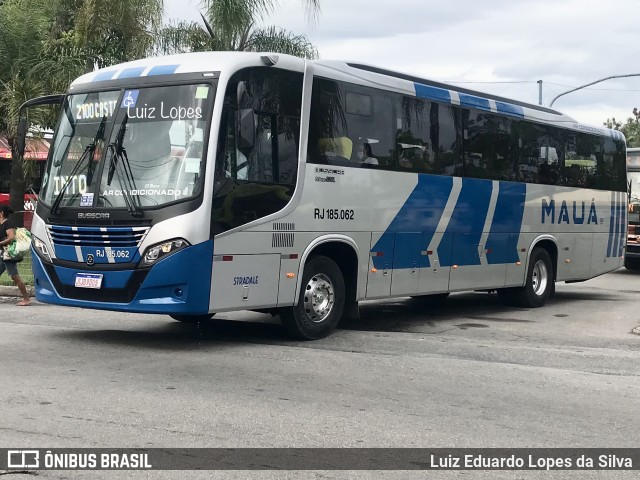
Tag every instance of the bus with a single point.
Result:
(210, 182)
(632, 253)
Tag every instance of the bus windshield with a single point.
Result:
(142, 145)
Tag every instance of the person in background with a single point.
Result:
(367, 156)
(7, 234)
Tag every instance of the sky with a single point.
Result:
(497, 46)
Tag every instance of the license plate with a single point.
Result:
(89, 280)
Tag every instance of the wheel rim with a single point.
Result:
(540, 277)
(319, 298)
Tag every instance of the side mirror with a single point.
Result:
(21, 137)
(246, 128)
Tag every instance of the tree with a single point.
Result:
(113, 32)
(231, 26)
(631, 129)
(23, 25)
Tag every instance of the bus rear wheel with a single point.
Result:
(539, 285)
(321, 301)
(193, 318)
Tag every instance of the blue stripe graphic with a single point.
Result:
(433, 93)
(509, 109)
(507, 219)
(163, 70)
(420, 214)
(467, 221)
(107, 75)
(616, 237)
(623, 224)
(407, 251)
(474, 102)
(611, 224)
(131, 72)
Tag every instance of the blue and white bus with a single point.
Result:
(210, 182)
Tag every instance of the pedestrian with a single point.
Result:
(7, 234)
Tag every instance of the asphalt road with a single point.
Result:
(472, 373)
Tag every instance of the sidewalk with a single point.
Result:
(13, 291)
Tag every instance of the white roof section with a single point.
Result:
(352, 72)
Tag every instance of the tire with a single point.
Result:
(193, 318)
(539, 285)
(321, 302)
(632, 263)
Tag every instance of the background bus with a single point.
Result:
(209, 182)
(36, 153)
(632, 253)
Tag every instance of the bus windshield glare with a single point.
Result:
(143, 145)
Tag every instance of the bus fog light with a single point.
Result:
(41, 249)
(161, 250)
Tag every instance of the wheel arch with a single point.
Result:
(550, 244)
(344, 251)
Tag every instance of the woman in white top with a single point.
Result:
(367, 156)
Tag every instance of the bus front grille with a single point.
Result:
(96, 236)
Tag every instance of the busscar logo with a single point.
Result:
(23, 459)
(94, 216)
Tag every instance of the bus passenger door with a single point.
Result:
(406, 264)
(380, 265)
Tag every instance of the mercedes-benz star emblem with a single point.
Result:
(90, 260)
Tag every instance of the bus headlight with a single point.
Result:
(161, 250)
(41, 249)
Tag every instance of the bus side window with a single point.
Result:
(488, 149)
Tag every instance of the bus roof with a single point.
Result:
(209, 63)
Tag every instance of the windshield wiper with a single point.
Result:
(118, 159)
(88, 153)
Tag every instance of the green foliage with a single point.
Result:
(274, 39)
(230, 26)
(630, 129)
(117, 31)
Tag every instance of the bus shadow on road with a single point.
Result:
(459, 311)
(175, 336)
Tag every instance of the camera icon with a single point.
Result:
(23, 459)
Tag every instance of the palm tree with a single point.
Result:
(117, 31)
(231, 26)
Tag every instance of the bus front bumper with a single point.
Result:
(178, 284)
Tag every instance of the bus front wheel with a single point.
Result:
(193, 318)
(321, 301)
(539, 285)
